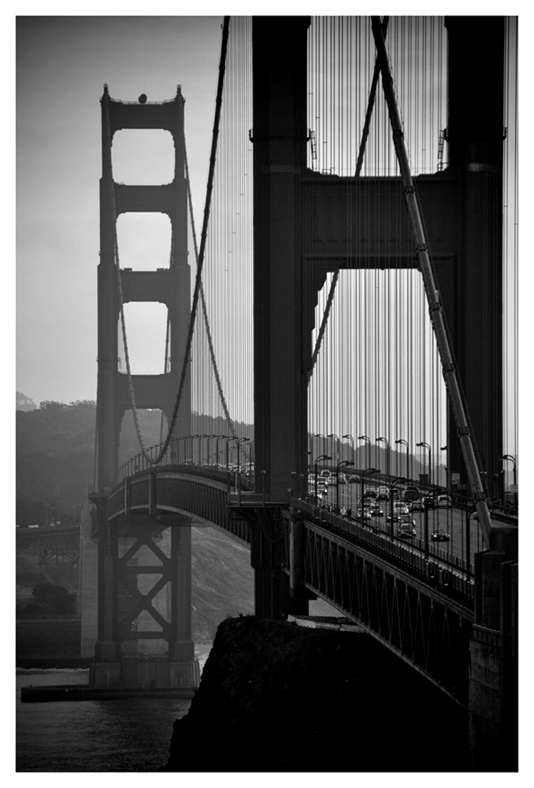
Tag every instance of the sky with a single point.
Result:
(62, 65)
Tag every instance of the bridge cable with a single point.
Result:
(359, 163)
(432, 292)
(187, 352)
(205, 312)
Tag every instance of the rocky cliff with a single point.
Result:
(276, 697)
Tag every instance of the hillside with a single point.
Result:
(222, 581)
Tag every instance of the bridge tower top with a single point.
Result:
(170, 286)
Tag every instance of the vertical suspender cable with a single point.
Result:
(431, 289)
(361, 152)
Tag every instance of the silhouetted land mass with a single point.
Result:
(276, 697)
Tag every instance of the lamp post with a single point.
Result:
(341, 464)
(209, 437)
(363, 474)
(368, 441)
(351, 445)
(230, 438)
(218, 438)
(426, 446)
(333, 435)
(393, 485)
(193, 448)
(317, 461)
(239, 442)
(250, 453)
(447, 485)
(320, 435)
(511, 459)
(405, 443)
(388, 454)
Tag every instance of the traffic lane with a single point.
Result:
(449, 519)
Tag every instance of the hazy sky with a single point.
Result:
(62, 65)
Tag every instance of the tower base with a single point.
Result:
(145, 673)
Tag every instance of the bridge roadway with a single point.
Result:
(420, 607)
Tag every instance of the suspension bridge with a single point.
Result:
(344, 321)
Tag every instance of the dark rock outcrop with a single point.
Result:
(276, 697)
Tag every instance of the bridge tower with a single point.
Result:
(144, 564)
(462, 208)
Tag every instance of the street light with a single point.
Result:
(218, 438)
(317, 461)
(393, 485)
(405, 443)
(239, 442)
(209, 437)
(363, 474)
(228, 439)
(511, 458)
(368, 441)
(388, 455)
(444, 448)
(352, 446)
(333, 435)
(426, 446)
(341, 464)
(320, 435)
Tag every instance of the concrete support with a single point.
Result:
(493, 685)
(145, 606)
(280, 350)
(144, 581)
(88, 587)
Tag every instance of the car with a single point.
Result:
(353, 477)
(400, 508)
(440, 536)
(411, 493)
(364, 514)
(429, 501)
(369, 492)
(444, 501)
(376, 510)
(405, 530)
(325, 473)
(341, 478)
(417, 506)
(382, 493)
(395, 518)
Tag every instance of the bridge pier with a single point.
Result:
(144, 604)
(275, 596)
(493, 682)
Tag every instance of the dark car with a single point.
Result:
(369, 492)
(406, 529)
(411, 493)
(393, 518)
(440, 536)
(417, 506)
(376, 510)
(430, 502)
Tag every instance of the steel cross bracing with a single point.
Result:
(390, 588)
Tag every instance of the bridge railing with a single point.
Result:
(442, 571)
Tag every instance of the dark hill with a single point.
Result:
(275, 697)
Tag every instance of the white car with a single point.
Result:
(444, 501)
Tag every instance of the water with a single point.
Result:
(131, 735)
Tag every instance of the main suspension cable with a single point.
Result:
(198, 279)
(205, 311)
